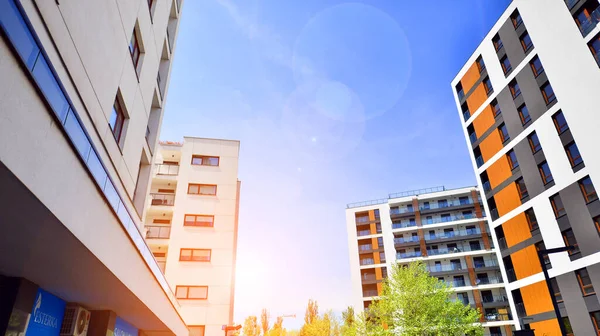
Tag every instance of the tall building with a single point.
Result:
(83, 89)
(524, 98)
(447, 230)
(191, 224)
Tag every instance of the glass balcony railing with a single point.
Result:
(457, 283)
(444, 268)
(369, 293)
(158, 232)
(363, 233)
(491, 317)
(362, 219)
(589, 23)
(407, 255)
(398, 211)
(446, 219)
(486, 263)
(367, 261)
(365, 247)
(490, 280)
(402, 225)
(163, 199)
(447, 204)
(494, 299)
(402, 240)
(452, 234)
(368, 277)
(457, 249)
(165, 169)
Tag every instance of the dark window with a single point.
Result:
(459, 91)
(19, 34)
(585, 283)
(556, 290)
(495, 108)
(189, 254)
(463, 200)
(116, 121)
(205, 160)
(594, 46)
(506, 67)
(199, 220)
(50, 86)
(573, 154)
(548, 93)
(516, 19)
(531, 220)
(487, 85)
(596, 320)
(536, 66)
(522, 188)
(545, 172)
(191, 292)
(503, 133)
(514, 89)
(557, 206)
(202, 189)
(512, 159)
(497, 42)
(480, 64)
(569, 239)
(524, 114)
(134, 50)
(588, 190)
(526, 41)
(560, 122)
(534, 142)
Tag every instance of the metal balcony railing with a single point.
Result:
(489, 280)
(166, 169)
(368, 247)
(444, 268)
(401, 240)
(452, 234)
(368, 277)
(457, 249)
(363, 233)
(496, 317)
(446, 219)
(408, 255)
(158, 232)
(364, 219)
(457, 283)
(486, 263)
(494, 298)
(398, 211)
(163, 199)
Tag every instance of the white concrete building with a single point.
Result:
(191, 225)
(83, 86)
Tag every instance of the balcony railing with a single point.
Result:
(494, 298)
(368, 277)
(407, 255)
(444, 268)
(402, 225)
(457, 283)
(367, 261)
(458, 249)
(398, 211)
(490, 280)
(166, 169)
(368, 247)
(363, 233)
(447, 204)
(362, 219)
(589, 23)
(486, 263)
(446, 219)
(163, 199)
(452, 234)
(496, 317)
(158, 232)
(369, 293)
(402, 240)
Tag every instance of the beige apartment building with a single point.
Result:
(83, 88)
(191, 221)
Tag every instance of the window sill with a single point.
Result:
(551, 102)
(590, 202)
(516, 96)
(538, 74)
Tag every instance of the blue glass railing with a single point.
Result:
(429, 221)
(401, 240)
(452, 234)
(446, 204)
(15, 25)
(589, 23)
(398, 211)
(402, 225)
(466, 115)
(408, 255)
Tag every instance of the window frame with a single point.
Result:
(548, 99)
(503, 137)
(191, 257)
(510, 160)
(532, 145)
(597, 223)
(524, 120)
(546, 178)
(200, 185)
(531, 223)
(526, 48)
(557, 212)
(559, 128)
(480, 64)
(196, 220)
(516, 22)
(581, 285)
(521, 188)
(585, 194)
(202, 157)
(497, 42)
(495, 108)
(188, 292)
(595, 321)
(134, 46)
(514, 88)
(506, 68)
(536, 71)
(566, 241)
(570, 155)
(117, 129)
(487, 85)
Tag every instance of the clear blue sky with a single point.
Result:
(333, 102)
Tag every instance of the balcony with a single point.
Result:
(494, 300)
(365, 248)
(490, 280)
(453, 234)
(403, 225)
(457, 249)
(362, 220)
(166, 169)
(370, 293)
(496, 317)
(402, 240)
(162, 199)
(447, 219)
(401, 211)
(447, 204)
(158, 232)
(587, 24)
(407, 255)
(485, 264)
(362, 233)
(456, 283)
(369, 261)
(445, 268)
(368, 277)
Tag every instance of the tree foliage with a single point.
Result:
(251, 327)
(319, 325)
(264, 322)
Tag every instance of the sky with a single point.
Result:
(334, 102)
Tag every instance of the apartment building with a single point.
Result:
(83, 89)
(191, 222)
(447, 230)
(525, 102)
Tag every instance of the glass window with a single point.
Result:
(188, 254)
(49, 86)
(524, 114)
(512, 159)
(531, 219)
(205, 160)
(588, 190)
(96, 169)
(557, 206)
(191, 292)
(196, 330)
(573, 154)
(134, 49)
(77, 135)
(545, 172)
(202, 189)
(560, 122)
(595, 48)
(503, 133)
(111, 194)
(495, 108)
(117, 120)
(522, 188)
(487, 85)
(569, 239)
(506, 67)
(536, 66)
(516, 19)
(199, 220)
(497, 42)
(548, 93)
(526, 41)
(480, 64)
(18, 32)
(585, 283)
(534, 142)
(514, 89)
(596, 320)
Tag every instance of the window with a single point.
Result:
(161, 221)
(199, 220)
(497, 42)
(459, 91)
(522, 188)
(594, 46)
(487, 85)
(134, 50)
(596, 320)
(197, 330)
(188, 254)
(585, 283)
(545, 172)
(205, 160)
(463, 200)
(514, 89)
(536, 66)
(191, 292)
(512, 159)
(556, 290)
(588, 190)
(569, 239)
(534, 142)
(117, 120)
(480, 64)
(495, 108)
(524, 114)
(503, 133)
(516, 19)
(548, 93)
(202, 189)
(557, 206)
(568, 327)
(506, 67)
(426, 205)
(573, 154)
(531, 219)
(526, 42)
(560, 122)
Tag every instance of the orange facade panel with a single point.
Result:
(526, 262)
(546, 328)
(378, 274)
(499, 171)
(507, 199)
(374, 243)
(516, 230)
(470, 77)
(476, 98)
(484, 121)
(536, 298)
(491, 145)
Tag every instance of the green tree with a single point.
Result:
(251, 327)
(312, 312)
(413, 303)
(348, 327)
(278, 329)
(319, 325)
(264, 322)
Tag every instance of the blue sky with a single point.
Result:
(333, 102)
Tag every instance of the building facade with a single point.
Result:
(524, 98)
(447, 230)
(191, 222)
(83, 89)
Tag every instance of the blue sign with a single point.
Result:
(46, 316)
(123, 328)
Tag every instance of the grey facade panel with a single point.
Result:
(529, 169)
(566, 137)
(563, 223)
(575, 304)
(594, 208)
(582, 224)
(594, 272)
(509, 113)
(530, 90)
(511, 43)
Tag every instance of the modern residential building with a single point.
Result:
(83, 89)
(447, 230)
(191, 222)
(525, 101)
